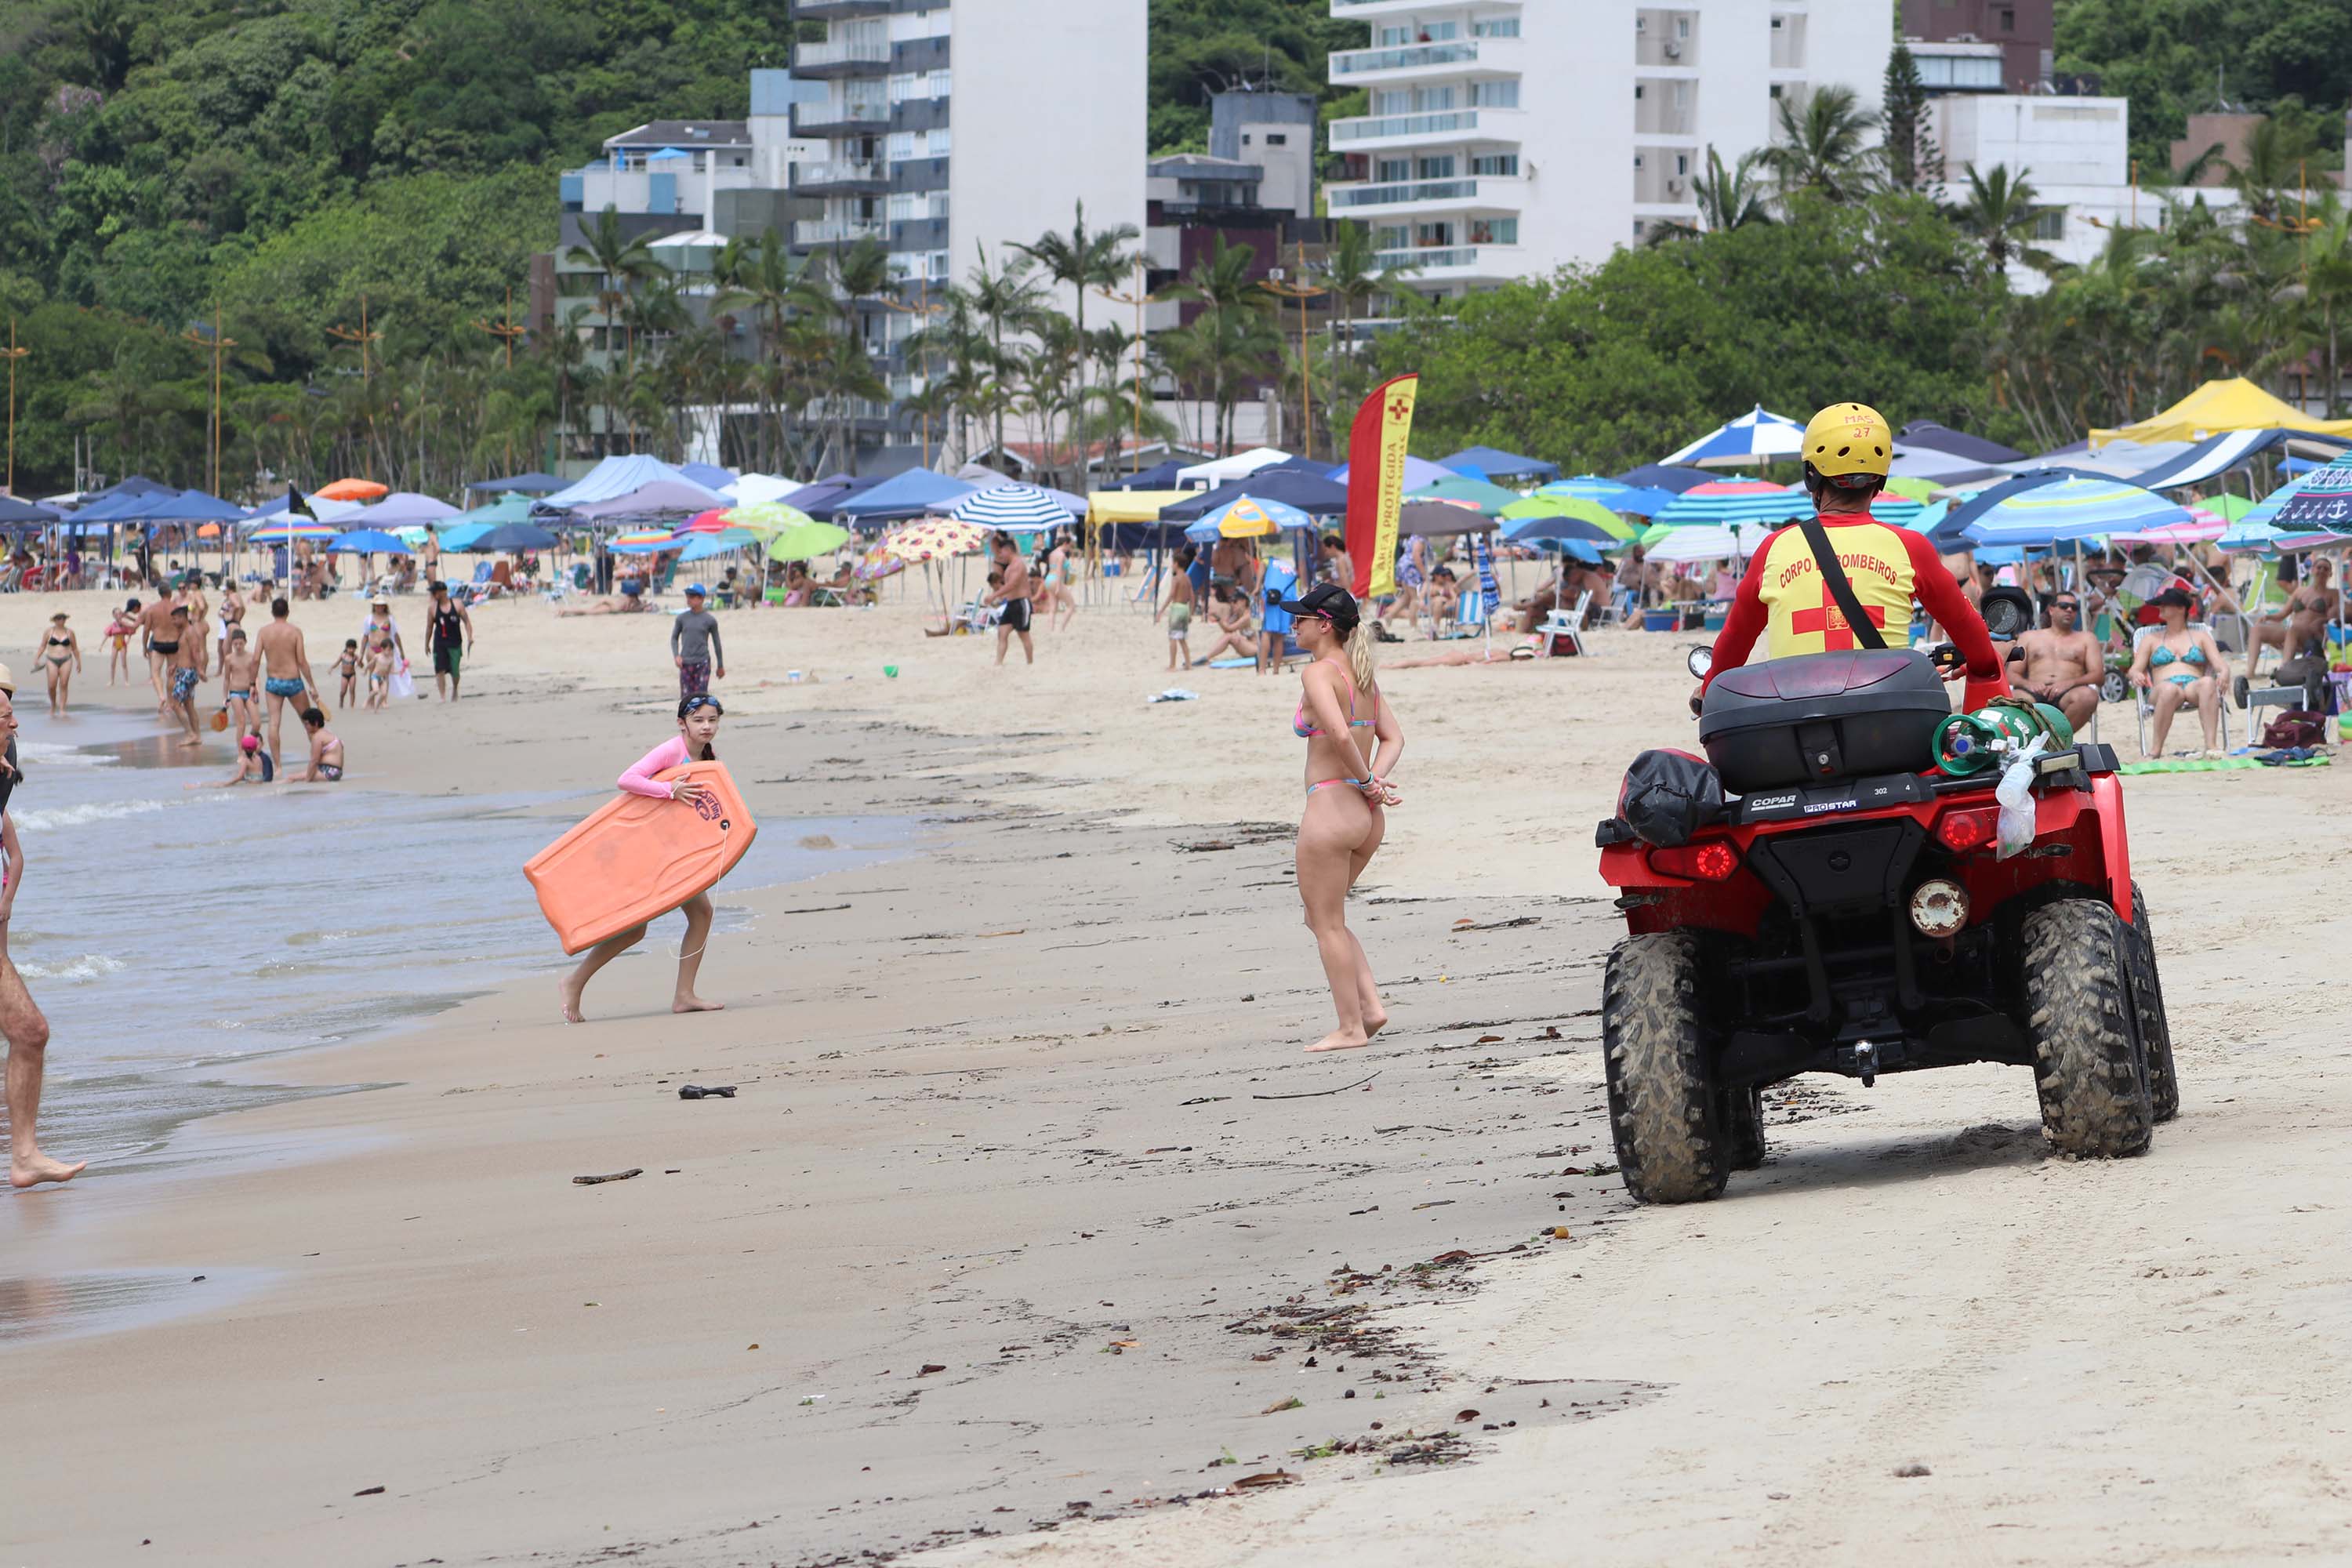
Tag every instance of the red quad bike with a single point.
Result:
(1813, 902)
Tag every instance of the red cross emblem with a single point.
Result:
(1399, 408)
(1837, 635)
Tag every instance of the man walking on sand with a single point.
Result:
(156, 627)
(449, 637)
(1013, 595)
(21, 1023)
(285, 669)
(694, 644)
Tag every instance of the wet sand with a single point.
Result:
(1009, 1205)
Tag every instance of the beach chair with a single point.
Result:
(2145, 701)
(1563, 631)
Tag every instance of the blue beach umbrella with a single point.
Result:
(1757, 436)
(1722, 503)
(367, 541)
(2073, 507)
(1246, 516)
(1013, 509)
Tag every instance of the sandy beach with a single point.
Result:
(1033, 1235)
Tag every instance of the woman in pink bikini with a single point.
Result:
(698, 727)
(1353, 742)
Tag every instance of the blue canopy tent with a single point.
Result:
(1492, 463)
(1663, 477)
(17, 512)
(1956, 442)
(1159, 478)
(709, 474)
(1289, 486)
(916, 492)
(1419, 473)
(526, 484)
(2217, 455)
(508, 537)
(819, 500)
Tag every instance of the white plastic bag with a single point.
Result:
(2015, 792)
(402, 687)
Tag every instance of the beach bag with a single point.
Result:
(1668, 796)
(2295, 727)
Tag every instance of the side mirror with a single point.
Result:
(1699, 660)
(2007, 612)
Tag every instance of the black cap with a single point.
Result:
(1330, 601)
(2176, 598)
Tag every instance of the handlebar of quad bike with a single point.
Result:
(1949, 662)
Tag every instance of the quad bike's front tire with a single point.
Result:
(2155, 1028)
(1664, 1113)
(2080, 1016)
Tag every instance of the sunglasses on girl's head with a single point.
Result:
(695, 703)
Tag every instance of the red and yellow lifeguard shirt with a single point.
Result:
(1784, 600)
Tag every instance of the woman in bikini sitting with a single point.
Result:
(1230, 618)
(2180, 664)
(59, 649)
(698, 727)
(1353, 741)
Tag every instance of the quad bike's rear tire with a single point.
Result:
(1741, 1113)
(2088, 1064)
(2155, 1028)
(1664, 1113)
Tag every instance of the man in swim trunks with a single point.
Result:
(162, 643)
(285, 669)
(694, 644)
(1013, 595)
(449, 635)
(190, 658)
(2301, 624)
(2063, 664)
(240, 679)
(26, 1032)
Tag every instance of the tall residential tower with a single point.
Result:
(1510, 137)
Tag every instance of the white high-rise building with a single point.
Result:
(1510, 137)
(962, 127)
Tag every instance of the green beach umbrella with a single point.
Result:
(1488, 499)
(802, 540)
(769, 518)
(1577, 507)
(1911, 490)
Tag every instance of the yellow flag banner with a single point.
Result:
(1376, 451)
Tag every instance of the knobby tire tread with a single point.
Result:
(1662, 1108)
(2088, 1068)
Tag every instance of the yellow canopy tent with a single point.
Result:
(2219, 406)
(1131, 506)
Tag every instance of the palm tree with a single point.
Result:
(1821, 143)
(1728, 199)
(618, 261)
(1353, 274)
(1079, 261)
(1008, 302)
(1235, 324)
(2000, 211)
(858, 272)
(951, 350)
(763, 277)
(2277, 157)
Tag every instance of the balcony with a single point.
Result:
(838, 10)
(841, 178)
(1351, 63)
(829, 59)
(1455, 264)
(819, 120)
(838, 231)
(1497, 193)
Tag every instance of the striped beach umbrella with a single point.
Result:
(1724, 501)
(286, 530)
(2067, 506)
(1013, 509)
(1585, 487)
(1758, 437)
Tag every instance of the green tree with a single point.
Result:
(2000, 211)
(1081, 261)
(1727, 199)
(1821, 143)
(1908, 151)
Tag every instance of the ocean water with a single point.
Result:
(178, 939)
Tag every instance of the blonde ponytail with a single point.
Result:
(1360, 660)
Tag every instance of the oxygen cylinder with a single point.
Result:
(1969, 743)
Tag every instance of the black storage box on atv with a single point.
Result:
(1822, 716)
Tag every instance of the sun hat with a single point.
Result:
(2176, 598)
(381, 605)
(7, 680)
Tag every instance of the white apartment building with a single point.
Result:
(1512, 137)
(957, 127)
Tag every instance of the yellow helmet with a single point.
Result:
(1847, 440)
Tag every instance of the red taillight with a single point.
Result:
(1958, 830)
(1711, 861)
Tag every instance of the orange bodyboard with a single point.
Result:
(636, 857)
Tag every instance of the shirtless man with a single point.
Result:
(190, 660)
(286, 669)
(240, 677)
(163, 642)
(26, 1032)
(2304, 621)
(2063, 663)
(1013, 595)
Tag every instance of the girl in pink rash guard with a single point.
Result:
(698, 726)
